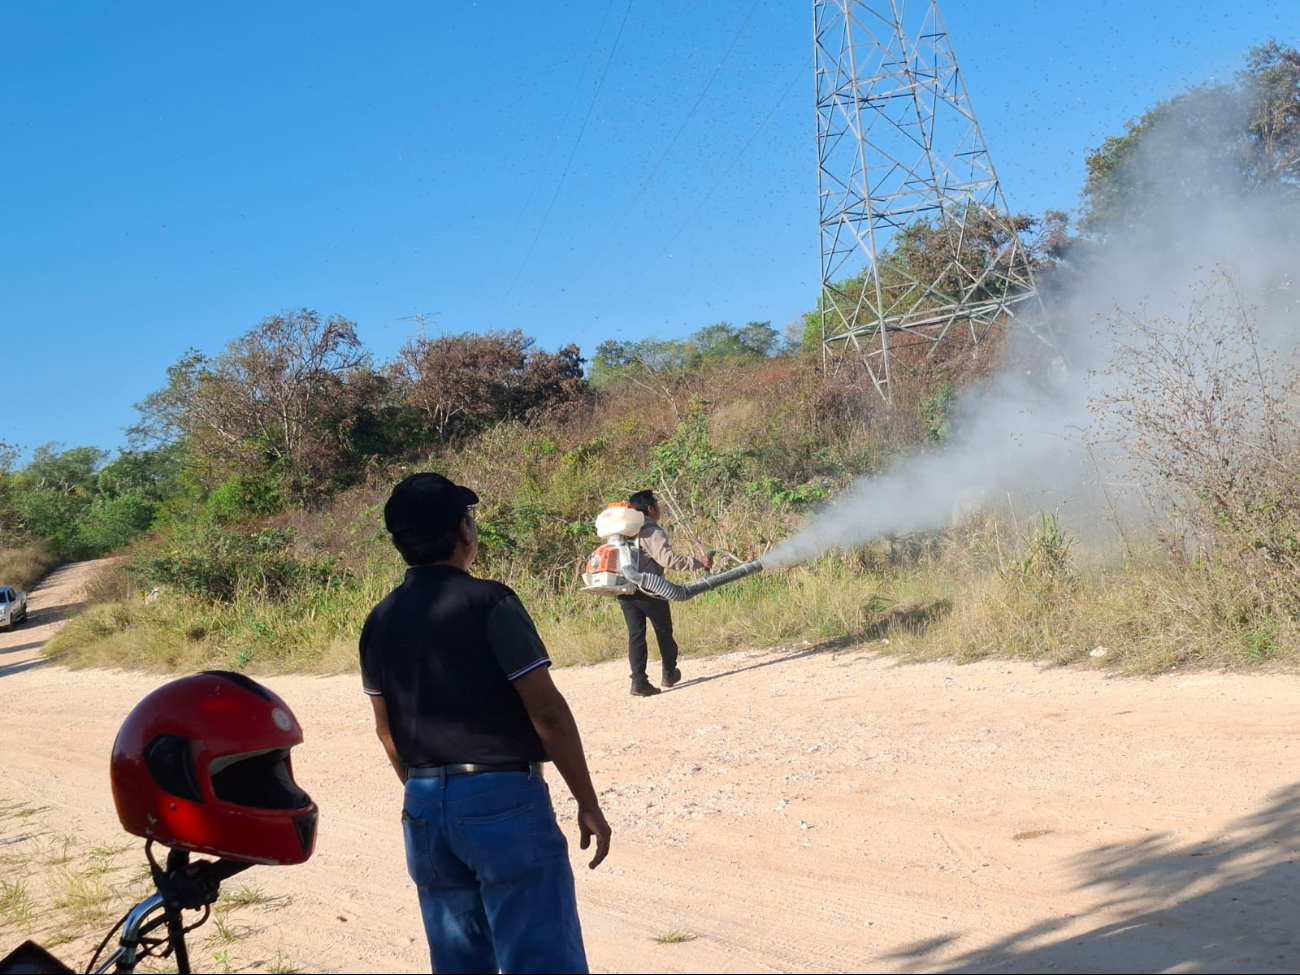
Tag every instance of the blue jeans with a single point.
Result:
(492, 869)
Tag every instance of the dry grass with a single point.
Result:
(82, 895)
(674, 937)
(64, 894)
(24, 566)
(966, 597)
(830, 600)
(281, 965)
(314, 632)
(54, 891)
(1142, 615)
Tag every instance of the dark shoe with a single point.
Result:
(672, 677)
(643, 688)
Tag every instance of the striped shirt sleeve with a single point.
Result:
(514, 640)
(369, 679)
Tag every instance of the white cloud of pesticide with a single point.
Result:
(1196, 240)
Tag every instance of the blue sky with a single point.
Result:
(173, 173)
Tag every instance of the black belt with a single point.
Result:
(470, 768)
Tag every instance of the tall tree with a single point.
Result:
(51, 493)
(1271, 83)
(276, 401)
(1201, 146)
(753, 341)
(8, 520)
(461, 383)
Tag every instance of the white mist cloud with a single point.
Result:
(1030, 441)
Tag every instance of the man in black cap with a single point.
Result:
(467, 712)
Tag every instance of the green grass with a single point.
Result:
(246, 896)
(15, 902)
(224, 931)
(280, 965)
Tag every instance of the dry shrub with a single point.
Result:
(112, 584)
(1205, 414)
(24, 566)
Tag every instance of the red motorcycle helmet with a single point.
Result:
(202, 764)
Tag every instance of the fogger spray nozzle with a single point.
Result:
(656, 585)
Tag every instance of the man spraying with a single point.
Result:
(655, 554)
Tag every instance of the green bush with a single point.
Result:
(223, 565)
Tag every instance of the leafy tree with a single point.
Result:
(1271, 84)
(756, 340)
(279, 402)
(1203, 145)
(47, 497)
(614, 357)
(941, 252)
(65, 472)
(240, 499)
(81, 506)
(8, 527)
(148, 474)
(1191, 146)
(458, 384)
(50, 515)
(751, 342)
(110, 523)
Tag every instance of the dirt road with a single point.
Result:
(798, 811)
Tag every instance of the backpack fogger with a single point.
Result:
(614, 569)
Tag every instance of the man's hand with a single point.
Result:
(591, 822)
(707, 561)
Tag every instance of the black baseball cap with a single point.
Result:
(426, 502)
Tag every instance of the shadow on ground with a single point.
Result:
(914, 618)
(8, 670)
(23, 646)
(1225, 906)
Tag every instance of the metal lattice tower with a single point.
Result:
(901, 161)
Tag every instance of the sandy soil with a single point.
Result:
(812, 809)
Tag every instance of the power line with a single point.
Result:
(590, 108)
(564, 124)
(646, 265)
(618, 224)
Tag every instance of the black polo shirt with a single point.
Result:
(442, 649)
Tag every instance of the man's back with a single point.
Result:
(442, 649)
(460, 685)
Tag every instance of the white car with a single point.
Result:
(13, 607)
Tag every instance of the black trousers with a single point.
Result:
(636, 610)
